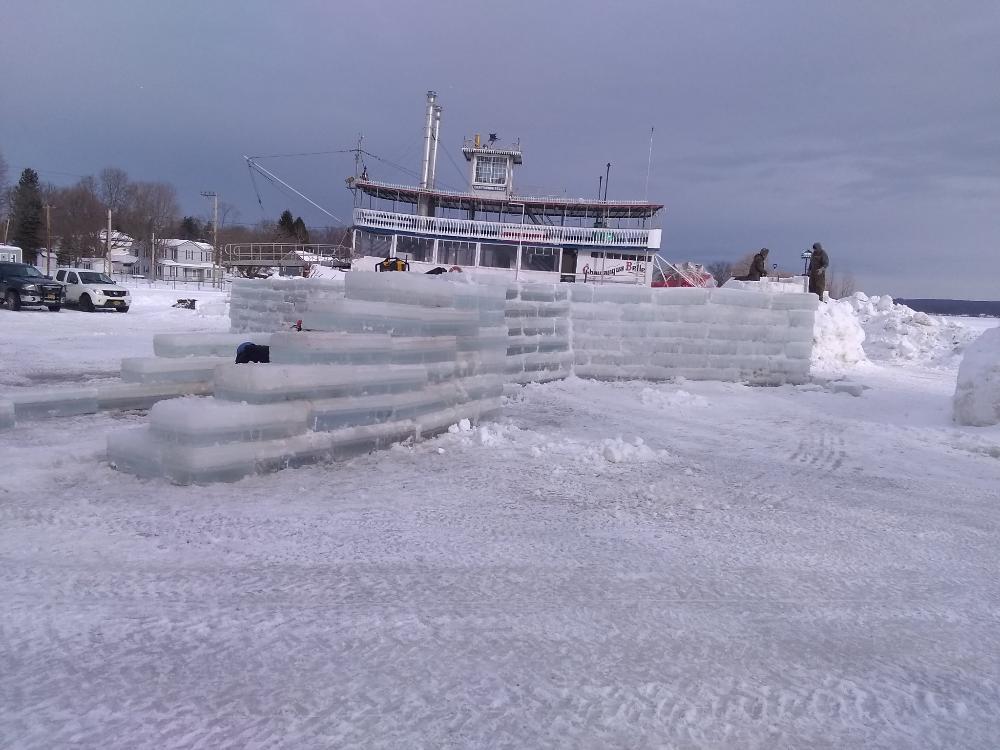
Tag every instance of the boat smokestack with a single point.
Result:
(425, 168)
(434, 147)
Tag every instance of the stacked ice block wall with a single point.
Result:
(538, 326)
(399, 356)
(276, 304)
(621, 332)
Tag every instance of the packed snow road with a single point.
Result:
(625, 565)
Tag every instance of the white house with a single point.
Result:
(181, 260)
(120, 252)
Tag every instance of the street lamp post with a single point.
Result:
(48, 238)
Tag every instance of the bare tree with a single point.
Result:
(841, 285)
(742, 266)
(114, 188)
(151, 207)
(721, 270)
(78, 220)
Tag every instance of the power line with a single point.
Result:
(306, 153)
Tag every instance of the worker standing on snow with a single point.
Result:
(818, 262)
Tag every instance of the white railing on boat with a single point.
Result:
(468, 229)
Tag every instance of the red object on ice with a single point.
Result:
(697, 276)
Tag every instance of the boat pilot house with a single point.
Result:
(490, 228)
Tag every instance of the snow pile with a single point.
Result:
(671, 399)
(618, 451)
(838, 337)
(896, 332)
(326, 272)
(977, 391)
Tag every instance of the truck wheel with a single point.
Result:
(86, 303)
(55, 308)
(122, 309)
(13, 300)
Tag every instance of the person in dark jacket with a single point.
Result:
(248, 352)
(758, 266)
(818, 263)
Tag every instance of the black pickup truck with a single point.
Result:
(21, 284)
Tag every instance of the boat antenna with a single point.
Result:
(607, 177)
(649, 163)
(600, 181)
(357, 155)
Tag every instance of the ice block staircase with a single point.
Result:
(399, 357)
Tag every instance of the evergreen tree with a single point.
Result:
(301, 233)
(190, 229)
(286, 225)
(27, 214)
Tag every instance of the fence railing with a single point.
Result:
(281, 254)
(503, 232)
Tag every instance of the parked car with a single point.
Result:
(92, 290)
(21, 284)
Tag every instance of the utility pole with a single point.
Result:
(107, 247)
(649, 165)
(216, 258)
(152, 258)
(48, 238)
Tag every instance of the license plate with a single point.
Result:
(51, 297)
(115, 303)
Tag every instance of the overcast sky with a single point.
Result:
(873, 127)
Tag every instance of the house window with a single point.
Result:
(491, 170)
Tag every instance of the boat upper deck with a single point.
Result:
(577, 208)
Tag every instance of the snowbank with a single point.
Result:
(837, 337)
(977, 391)
(896, 332)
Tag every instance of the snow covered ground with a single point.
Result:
(612, 565)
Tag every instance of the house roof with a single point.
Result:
(178, 243)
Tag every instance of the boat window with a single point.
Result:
(417, 248)
(535, 258)
(376, 245)
(498, 256)
(491, 170)
(455, 253)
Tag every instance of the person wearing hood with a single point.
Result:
(818, 263)
(758, 266)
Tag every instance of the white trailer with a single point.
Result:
(10, 254)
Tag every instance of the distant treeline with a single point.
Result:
(970, 307)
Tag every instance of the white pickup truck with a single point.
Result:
(91, 290)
